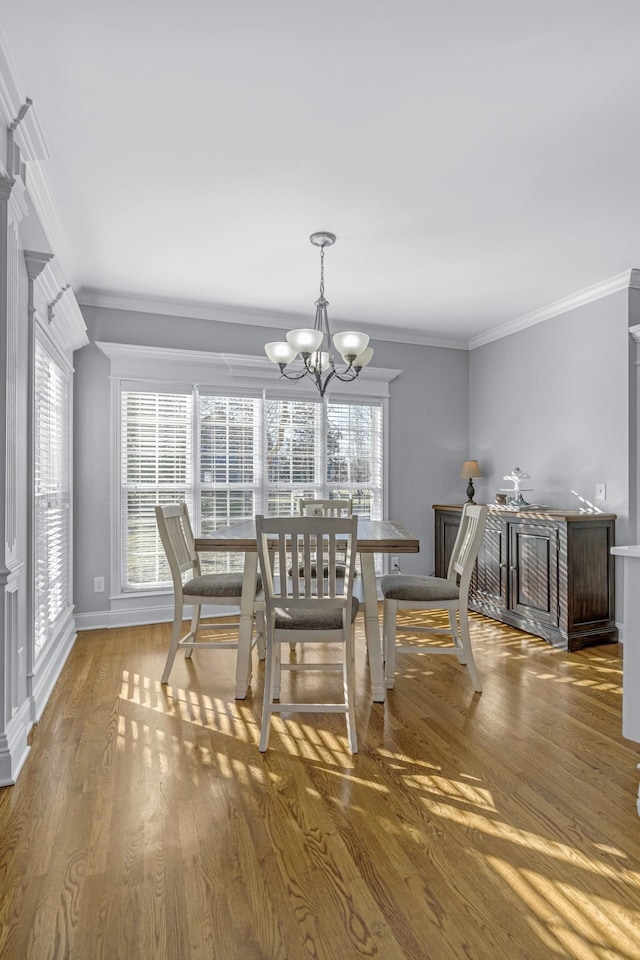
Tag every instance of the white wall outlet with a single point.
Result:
(98, 584)
(395, 563)
(601, 491)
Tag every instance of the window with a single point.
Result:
(51, 493)
(232, 457)
(157, 453)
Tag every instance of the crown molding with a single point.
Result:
(195, 309)
(623, 281)
(253, 316)
(163, 364)
(634, 333)
(28, 134)
(29, 137)
(64, 318)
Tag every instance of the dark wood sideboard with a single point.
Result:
(548, 572)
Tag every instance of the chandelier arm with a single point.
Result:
(291, 376)
(354, 376)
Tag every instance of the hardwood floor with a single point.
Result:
(146, 825)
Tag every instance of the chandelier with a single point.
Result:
(314, 344)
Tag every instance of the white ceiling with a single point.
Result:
(477, 161)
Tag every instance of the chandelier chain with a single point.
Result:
(322, 271)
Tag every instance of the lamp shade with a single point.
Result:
(350, 343)
(319, 360)
(279, 352)
(363, 358)
(305, 341)
(470, 469)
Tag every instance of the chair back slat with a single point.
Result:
(467, 544)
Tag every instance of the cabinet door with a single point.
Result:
(489, 581)
(533, 571)
(447, 525)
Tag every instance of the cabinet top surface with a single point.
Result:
(633, 550)
(534, 513)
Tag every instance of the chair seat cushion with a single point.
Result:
(313, 619)
(215, 585)
(401, 586)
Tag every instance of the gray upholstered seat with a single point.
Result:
(399, 586)
(215, 585)
(313, 619)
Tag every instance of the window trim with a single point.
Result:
(221, 373)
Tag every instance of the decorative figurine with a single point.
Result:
(516, 477)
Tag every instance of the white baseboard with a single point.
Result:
(620, 627)
(14, 747)
(138, 617)
(46, 673)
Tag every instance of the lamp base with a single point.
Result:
(470, 491)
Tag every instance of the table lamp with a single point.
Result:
(470, 469)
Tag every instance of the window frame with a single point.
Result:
(262, 488)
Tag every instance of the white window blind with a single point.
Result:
(293, 450)
(156, 467)
(229, 467)
(354, 456)
(51, 486)
(232, 457)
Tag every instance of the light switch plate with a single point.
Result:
(601, 491)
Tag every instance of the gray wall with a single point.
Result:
(428, 428)
(553, 399)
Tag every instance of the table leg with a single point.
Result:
(243, 661)
(372, 626)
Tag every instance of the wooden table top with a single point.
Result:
(374, 536)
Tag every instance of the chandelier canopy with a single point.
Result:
(314, 344)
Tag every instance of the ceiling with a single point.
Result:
(477, 161)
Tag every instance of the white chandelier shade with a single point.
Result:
(304, 341)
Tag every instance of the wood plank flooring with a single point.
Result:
(146, 825)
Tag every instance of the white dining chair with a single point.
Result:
(198, 589)
(303, 608)
(450, 593)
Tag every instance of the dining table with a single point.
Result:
(374, 536)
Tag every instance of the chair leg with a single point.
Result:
(466, 644)
(457, 639)
(260, 634)
(193, 632)
(390, 608)
(268, 696)
(277, 669)
(350, 689)
(175, 638)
